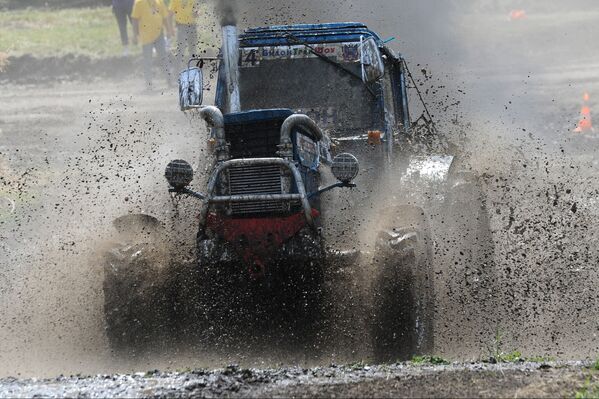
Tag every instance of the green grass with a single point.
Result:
(80, 31)
(590, 390)
(510, 357)
(517, 357)
(20, 4)
(429, 360)
(85, 31)
(497, 354)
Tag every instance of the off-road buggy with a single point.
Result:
(281, 246)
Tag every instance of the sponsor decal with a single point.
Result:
(351, 52)
(308, 151)
(253, 56)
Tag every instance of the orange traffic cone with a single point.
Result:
(586, 123)
(517, 15)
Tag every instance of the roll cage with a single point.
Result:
(391, 102)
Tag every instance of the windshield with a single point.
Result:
(339, 102)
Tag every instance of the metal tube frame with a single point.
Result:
(230, 51)
(215, 120)
(210, 199)
(293, 122)
(331, 187)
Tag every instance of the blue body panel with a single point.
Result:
(241, 118)
(309, 33)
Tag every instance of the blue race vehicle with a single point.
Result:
(287, 214)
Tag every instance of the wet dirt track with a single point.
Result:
(400, 380)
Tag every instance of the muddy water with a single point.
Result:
(73, 155)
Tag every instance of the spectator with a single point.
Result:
(185, 13)
(122, 11)
(150, 20)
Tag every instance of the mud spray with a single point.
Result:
(502, 97)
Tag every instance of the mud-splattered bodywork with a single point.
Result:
(306, 103)
(319, 70)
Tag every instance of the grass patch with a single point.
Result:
(86, 31)
(510, 357)
(81, 31)
(19, 4)
(498, 355)
(517, 357)
(590, 390)
(435, 360)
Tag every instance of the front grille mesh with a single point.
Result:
(263, 179)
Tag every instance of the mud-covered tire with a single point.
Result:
(138, 294)
(404, 296)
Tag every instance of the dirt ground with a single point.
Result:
(358, 381)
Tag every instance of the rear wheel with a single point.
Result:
(466, 244)
(468, 222)
(403, 288)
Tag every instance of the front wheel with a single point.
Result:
(138, 288)
(403, 288)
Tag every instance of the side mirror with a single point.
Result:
(373, 67)
(345, 168)
(191, 88)
(179, 174)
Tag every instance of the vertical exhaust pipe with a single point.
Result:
(231, 59)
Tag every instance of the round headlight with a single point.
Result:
(345, 167)
(179, 174)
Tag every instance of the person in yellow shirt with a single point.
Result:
(185, 13)
(150, 20)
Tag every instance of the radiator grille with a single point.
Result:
(255, 140)
(263, 179)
